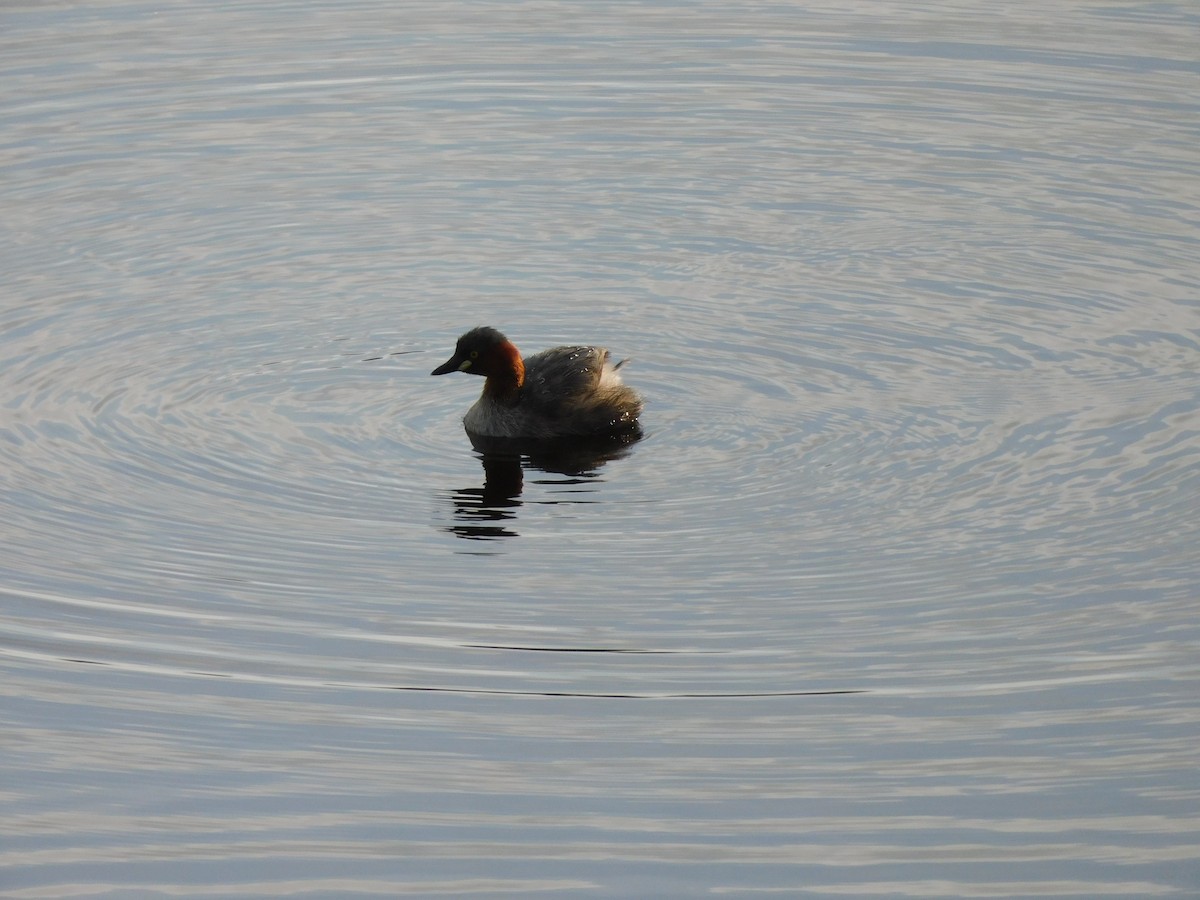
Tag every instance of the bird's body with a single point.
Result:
(565, 392)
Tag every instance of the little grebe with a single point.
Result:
(566, 392)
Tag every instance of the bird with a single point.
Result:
(561, 393)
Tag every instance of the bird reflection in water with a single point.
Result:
(490, 512)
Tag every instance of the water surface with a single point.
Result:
(896, 597)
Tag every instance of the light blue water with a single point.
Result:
(897, 597)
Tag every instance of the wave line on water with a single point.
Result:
(294, 681)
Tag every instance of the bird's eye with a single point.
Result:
(474, 354)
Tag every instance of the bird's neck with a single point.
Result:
(506, 375)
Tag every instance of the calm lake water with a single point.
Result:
(898, 596)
